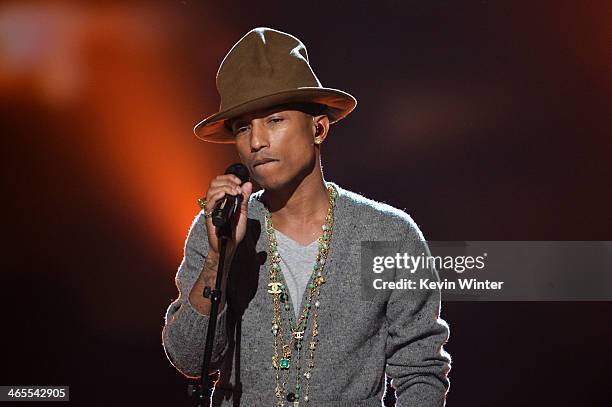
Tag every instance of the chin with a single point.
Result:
(274, 182)
(278, 179)
(271, 183)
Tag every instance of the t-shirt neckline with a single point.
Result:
(295, 242)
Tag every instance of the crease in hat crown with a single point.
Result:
(267, 67)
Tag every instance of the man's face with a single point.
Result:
(276, 145)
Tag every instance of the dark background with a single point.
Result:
(483, 120)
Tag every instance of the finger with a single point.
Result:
(246, 189)
(227, 189)
(226, 179)
(221, 183)
(212, 200)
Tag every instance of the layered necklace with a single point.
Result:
(290, 337)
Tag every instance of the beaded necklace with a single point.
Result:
(283, 359)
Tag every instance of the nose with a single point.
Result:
(259, 136)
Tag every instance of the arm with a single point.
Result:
(416, 361)
(208, 277)
(184, 333)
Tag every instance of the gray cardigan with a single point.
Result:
(359, 340)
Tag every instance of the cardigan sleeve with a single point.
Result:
(416, 361)
(184, 332)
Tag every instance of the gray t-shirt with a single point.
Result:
(296, 264)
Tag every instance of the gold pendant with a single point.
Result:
(278, 391)
(275, 362)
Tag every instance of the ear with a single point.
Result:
(320, 125)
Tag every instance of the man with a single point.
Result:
(298, 238)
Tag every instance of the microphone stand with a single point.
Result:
(208, 380)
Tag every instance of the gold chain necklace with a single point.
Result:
(283, 360)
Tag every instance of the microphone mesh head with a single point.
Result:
(238, 170)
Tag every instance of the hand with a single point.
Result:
(220, 186)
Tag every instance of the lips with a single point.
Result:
(262, 161)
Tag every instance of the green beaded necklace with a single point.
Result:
(283, 348)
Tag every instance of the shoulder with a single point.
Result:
(256, 207)
(255, 198)
(375, 215)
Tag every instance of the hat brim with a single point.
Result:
(339, 105)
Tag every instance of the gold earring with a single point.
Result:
(317, 140)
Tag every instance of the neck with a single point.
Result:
(304, 202)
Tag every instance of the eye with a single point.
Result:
(240, 130)
(276, 119)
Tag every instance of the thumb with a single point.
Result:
(247, 189)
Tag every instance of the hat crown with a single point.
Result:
(262, 62)
(266, 68)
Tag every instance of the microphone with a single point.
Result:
(227, 206)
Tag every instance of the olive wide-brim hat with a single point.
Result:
(266, 68)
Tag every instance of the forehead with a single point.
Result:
(256, 114)
(247, 117)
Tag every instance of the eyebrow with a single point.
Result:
(241, 121)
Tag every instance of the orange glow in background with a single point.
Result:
(111, 70)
